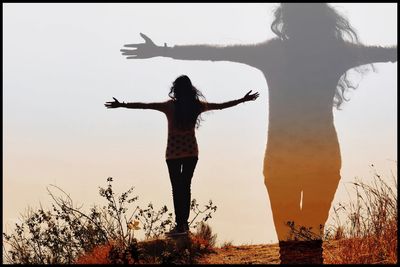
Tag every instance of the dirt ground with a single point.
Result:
(253, 254)
(250, 254)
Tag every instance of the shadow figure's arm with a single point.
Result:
(247, 54)
(235, 53)
(358, 55)
(213, 106)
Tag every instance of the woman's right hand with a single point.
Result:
(143, 50)
(250, 97)
(115, 104)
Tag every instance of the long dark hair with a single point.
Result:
(187, 103)
(291, 18)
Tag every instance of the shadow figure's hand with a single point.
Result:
(250, 97)
(143, 50)
(115, 104)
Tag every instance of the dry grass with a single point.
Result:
(226, 245)
(364, 231)
(369, 232)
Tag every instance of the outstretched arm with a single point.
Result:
(247, 97)
(237, 53)
(160, 106)
(360, 55)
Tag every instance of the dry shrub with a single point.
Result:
(99, 255)
(205, 236)
(369, 233)
(227, 245)
(113, 253)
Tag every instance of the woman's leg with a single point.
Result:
(174, 169)
(188, 166)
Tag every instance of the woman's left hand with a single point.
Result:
(250, 97)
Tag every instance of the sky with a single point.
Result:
(61, 63)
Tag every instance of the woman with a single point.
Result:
(305, 68)
(183, 114)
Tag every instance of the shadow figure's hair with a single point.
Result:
(186, 98)
(328, 21)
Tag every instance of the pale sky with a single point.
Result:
(61, 62)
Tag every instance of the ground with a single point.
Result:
(252, 254)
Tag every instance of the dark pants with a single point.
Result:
(181, 173)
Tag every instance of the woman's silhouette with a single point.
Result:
(183, 112)
(305, 68)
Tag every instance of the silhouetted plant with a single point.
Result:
(208, 209)
(66, 234)
(154, 223)
(302, 233)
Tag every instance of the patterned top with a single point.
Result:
(181, 143)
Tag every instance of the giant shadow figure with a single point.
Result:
(305, 69)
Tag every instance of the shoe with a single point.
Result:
(177, 232)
